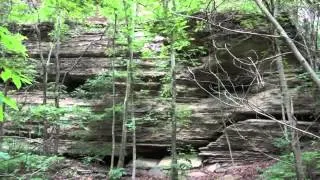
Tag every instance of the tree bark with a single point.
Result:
(113, 94)
(129, 23)
(174, 159)
(295, 142)
(286, 101)
(134, 147)
(290, 43)
(57, 66)
(57, 87)
(1, 134)
(5, 93)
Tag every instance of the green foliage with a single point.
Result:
(285, 168)
(76, 10)
(62, 116)
(283, 143)
(91, 159)
(11, 43)
(99, 85)
(22, 163)
(183, 114)
(60, 31)
(253, 22)
(47, 112)
(15, 146)
(307, 81)
(116, 174)
(4, 156)
(242, 6)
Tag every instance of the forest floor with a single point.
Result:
(77, 170)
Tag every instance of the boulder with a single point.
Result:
(144, 163)
(190, 162)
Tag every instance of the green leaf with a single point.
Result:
(4, 155)
(16, 80)
(1, 112)
(10, 102)
(6, 74)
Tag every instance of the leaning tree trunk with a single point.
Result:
(290, 42)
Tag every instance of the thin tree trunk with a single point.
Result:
(134, 137)
(56, 139)
(134, 147)
(57, 66)
(43, 63)
(1, 134)
(45, 137)
(5, 93)
(113, 94)
(295, 142)
(228, 141)
(57, 86)
(290, 43)
(124, 122)
(174, 159)
(129, 23)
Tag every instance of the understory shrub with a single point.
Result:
(285, 168)
(26, 166)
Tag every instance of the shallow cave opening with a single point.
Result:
(153, 152)
(145, 152)
(107, 160)
(72, 84)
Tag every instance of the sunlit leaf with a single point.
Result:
(6, 74)
(10, 102)
(16, 80)
(1, 112)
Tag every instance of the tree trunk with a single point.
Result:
(57, 87)
(113, 94)
(1, 134)
(5, 93)
(130, 27)
(134, 147)
(174, 164)
(45, 137)
(290, 43)
(286, 101)
(295, 142)
(43, 63)
(57, 66)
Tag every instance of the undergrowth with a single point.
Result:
(26, 165)
(285, 169)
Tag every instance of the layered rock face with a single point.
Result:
(218, 120)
